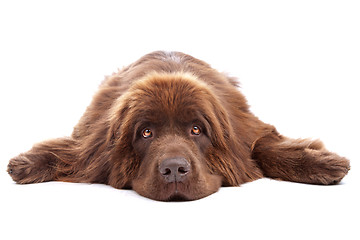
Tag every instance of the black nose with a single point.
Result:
(174, 169)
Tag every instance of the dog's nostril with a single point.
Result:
(182, 170)
(167, 171)
(174, 169)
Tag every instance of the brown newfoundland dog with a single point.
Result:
(172, 128)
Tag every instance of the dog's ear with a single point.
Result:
(219, 157)
(117, 120)
(229, 155)
(120, 133)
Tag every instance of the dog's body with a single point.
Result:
(171, 127)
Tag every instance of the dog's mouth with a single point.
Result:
(177, 197)
(177, 192)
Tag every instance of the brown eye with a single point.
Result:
(147, 133)
(195, 130)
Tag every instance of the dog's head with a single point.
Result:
(171, 137)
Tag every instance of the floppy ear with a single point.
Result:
(229, 156)
(120, 120)
(220, 127)
(123, 159)
(116, 118)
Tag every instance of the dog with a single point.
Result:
(172, 128)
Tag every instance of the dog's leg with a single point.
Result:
(304, 161)
(46, 161)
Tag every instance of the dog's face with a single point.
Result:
(173, 127)
(173, 161)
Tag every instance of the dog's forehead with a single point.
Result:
(170, 84)
(178, 95)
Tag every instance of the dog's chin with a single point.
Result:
(176, 192)
(178, 197)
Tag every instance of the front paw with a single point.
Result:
(329, 168)
(20, 168)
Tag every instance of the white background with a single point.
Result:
(299, 65)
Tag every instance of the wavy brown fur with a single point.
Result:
(171, 92)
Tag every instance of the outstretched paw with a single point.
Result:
(30, 168)
(329, 168)
(20, 168)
